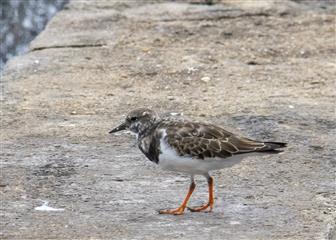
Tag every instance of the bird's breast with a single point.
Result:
(148, 146)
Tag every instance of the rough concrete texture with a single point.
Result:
(264, 69)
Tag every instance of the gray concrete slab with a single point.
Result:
(265, 69)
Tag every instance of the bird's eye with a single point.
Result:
(134, 119)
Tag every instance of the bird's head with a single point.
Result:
(137, 121)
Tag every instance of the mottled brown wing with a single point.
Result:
(205, 140)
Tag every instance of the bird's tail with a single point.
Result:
(273, 147)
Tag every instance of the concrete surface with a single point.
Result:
(265, 69)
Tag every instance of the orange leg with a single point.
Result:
(180, 210)
(210, 203)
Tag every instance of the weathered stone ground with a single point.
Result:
(260, 68)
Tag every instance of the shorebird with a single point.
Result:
(190, 147)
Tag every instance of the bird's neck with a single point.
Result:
(146, 130)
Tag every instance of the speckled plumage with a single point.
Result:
(190, 147)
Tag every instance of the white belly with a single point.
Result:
(170, 160)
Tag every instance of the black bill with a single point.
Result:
(119, 128)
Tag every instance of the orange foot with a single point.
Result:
(202, 208)
(177, 211)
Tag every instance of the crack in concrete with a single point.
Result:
(68, 46)
(211, 18)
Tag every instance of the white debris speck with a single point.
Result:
(45, 207)
(290, 106)
(234, 222)
(205, 79)
(191, 69)
(36, 61)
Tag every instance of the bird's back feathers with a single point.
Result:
(202, 141)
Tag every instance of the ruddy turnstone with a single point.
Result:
(190, 147)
